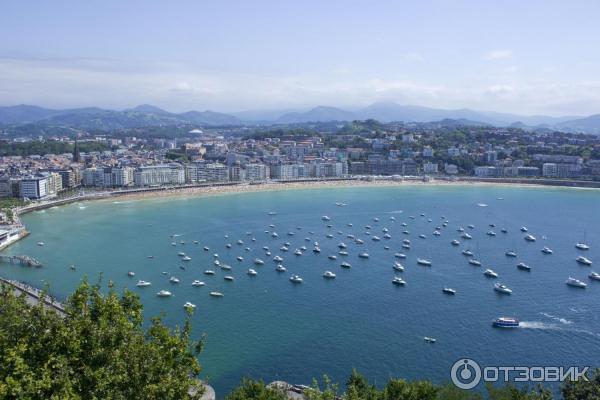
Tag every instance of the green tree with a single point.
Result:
(255, 390)
(97, 350)
(582, 389)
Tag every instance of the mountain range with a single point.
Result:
(149, 115)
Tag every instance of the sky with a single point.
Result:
(526, 57)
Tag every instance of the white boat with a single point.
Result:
(186, 258)
(358, 241)
(491, 233)
(316, 250)
(345, 264)
(298, 252)
(583, 260)
(448, 290)
(455, 242)
(329, 275)
(283, 248)
(164, 293)
(206, 248)
(510, 254)
(594, 276)
(173, 280)
(530, 238)
(277, 259)
(582, 246)
(41, 243)
(217, 262)
(422, 236)
(142, 284)
(332, 257)
(523, 266)
(274, 235)
(209, 272)
(228, 245)
(252, 272)
(342, 245)
(189, 306)
(460, 229)
(131, 273)
(240, 242)
(466, 236)
(503, 289)
(197, 283)
(398, 281)
(181, 254)
(280, 268)
(523, 229)
(398, 267)
(216, 255)
(436, 233)
(376, 238)
(429, 339)
(225, 267)
(467, 253)
(228, 278)
(474, 262)
(491, 273)
(576, 283)
(406, 241)
(325, 218)
(424, 262)
(363, 255)
(547, 250)
(329, 236)
(387, 236)
(258, 261)
(343, 253)
(471, 226)
(296, 279)
(400, 255)
(406, 246)
(216, 294)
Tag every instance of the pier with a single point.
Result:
(23, 260)
(34, 296)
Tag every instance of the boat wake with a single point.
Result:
(395, 212)
(482, 205)
(557, 319)
(556, 327)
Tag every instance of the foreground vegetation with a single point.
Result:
(101, 350)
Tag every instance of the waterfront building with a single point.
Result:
(451, 169)
(486, 171)
(256, 172)
(34, 187)
(430, 168)
(550, 170)
(164, 174)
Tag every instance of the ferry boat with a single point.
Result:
(594, 276)
(500, 288)
(448, 290)
(216, 294)
(346, 264)
(523, 266)
(491, 273)
(164, 293)
(296, 279)
(505, 322)
(583, 260)
(142, 284)
(197, 283)
(329, 275)
(398, 281)
(280, 268)
(398, 267)
(547, 250)
(424, 262)
(576, 283)
(252, 272)
(189, 306)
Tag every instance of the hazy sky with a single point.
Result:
(513, 56)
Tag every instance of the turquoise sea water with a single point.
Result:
(266, 327)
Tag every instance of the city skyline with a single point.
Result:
(233, 56)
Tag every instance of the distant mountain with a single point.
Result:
(317, 114)
(24, 114)
(589, 124)
(149, 108)
(209, 118)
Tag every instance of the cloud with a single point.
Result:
(498, 54)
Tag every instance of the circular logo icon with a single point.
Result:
(465, 373)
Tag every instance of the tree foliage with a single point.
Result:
(98, 350)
